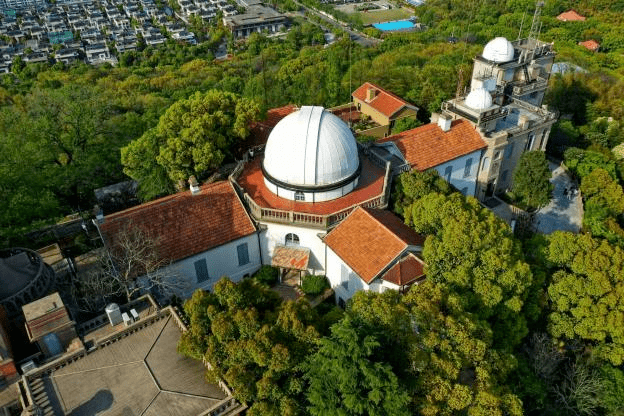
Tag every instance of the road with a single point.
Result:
(355, 35)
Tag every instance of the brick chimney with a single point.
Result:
(444, 121)
(371, 93)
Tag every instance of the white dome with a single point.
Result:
(498, 50)
(479, 99)
(310, 148)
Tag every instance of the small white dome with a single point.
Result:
(479, 99)
(311, 147)
(498, 50)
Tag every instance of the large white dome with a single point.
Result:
(479, 99)
(499, 50)
(310, 148)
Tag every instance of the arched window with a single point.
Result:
(292, 239)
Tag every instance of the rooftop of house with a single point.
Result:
(406, 271)
(46, 315)
(139, 374)
(427, 146)
(369, 186)
(571, 16)
(184, 224)
(591, 44)
(383, 101)
(368, 240)
(260, 130)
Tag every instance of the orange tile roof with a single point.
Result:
(427, 146)
(184, 224)
(570, 16)
(369, 186)
(291, 257)
(385, 102)
(591, 44)
(368, 240)
(405, 271)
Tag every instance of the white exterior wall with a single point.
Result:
(312, 196)
(221, 261)
(457, 175)
(275, 234)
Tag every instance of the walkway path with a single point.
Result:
(564, 212)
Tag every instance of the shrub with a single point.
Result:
(314, 285)
(266, 275)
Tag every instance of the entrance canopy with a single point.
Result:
(291, 257)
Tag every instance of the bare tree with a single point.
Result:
(544, 356)
(129, 265)
(579, 390)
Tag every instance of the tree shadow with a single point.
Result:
(101, 401)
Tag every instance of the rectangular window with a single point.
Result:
(509, 151)
(447, 173)
(504, 176)
(201, 271)
(243, 254)
(468, 167)
(344, 276)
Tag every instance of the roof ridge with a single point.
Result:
(396, 97)
(384, 225)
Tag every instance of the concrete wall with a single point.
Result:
(221, 261)
(466, 184)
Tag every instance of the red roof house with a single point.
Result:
(591, 44)
(571, 16)
(370, 243)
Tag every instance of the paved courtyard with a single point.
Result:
(565, 212)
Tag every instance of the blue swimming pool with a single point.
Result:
(396, 25)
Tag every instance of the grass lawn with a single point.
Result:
(376, 16)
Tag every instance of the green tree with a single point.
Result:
(413, 185)
(347, 377)
(531, 179)
(587, 293)
(604, 205)
(193, 136)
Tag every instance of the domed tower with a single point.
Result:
(312, 156)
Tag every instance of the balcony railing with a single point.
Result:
(539, 84)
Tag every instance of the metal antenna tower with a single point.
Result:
(535, 25)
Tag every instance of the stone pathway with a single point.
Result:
(565, 212)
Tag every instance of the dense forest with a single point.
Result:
(492, 331)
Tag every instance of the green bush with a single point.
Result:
(266, 275)
(314, 285)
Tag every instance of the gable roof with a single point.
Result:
(385, 102)
(184, 224)
(428, 146)
(591, 44)
(369, 240)
(406, 271)
(570, 16)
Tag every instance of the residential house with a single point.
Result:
(571, 16)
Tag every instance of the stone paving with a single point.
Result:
(565, 212)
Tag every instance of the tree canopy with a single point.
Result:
(531, 179)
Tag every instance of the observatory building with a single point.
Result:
(504, 104)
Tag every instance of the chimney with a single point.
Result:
(524, 122)
(444, 122)
(194, 185)
(370, 93)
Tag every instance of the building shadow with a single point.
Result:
(101, 401)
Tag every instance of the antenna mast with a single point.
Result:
(535, 25)
(521, 25)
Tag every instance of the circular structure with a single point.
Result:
(312, 156)
(499, 50)
(479, 99)
(24, 277)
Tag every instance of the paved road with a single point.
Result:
(355, 36)
(565, 212)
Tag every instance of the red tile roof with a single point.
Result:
(427, 146)
(570, 16)
(184, 224)
(592, 45)
(405, 271)
(368, 240)
(369, 186)
(385, 102)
